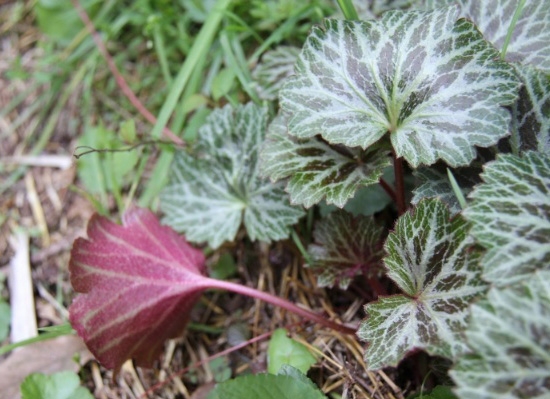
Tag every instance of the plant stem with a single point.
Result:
(399, 184)
(388, 189)
(279, 302)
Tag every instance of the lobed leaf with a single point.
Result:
(345, 247)
(212, 193)
(530, 40)
(432, 260)
(317, 170)
(275, 66)
(509, 334)
(510, 216)
(283, 350)
(531, 113)
(137, 285)
(432, 82)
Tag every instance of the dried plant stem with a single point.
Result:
(282, 303)
(118, 76)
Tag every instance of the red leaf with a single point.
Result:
(138, 284)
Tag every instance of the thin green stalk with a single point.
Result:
(278, 34)
(348, 9)
(235, 60)
(511, 28)
(456, 189)
(201, 46)
(161, 54)
(300, 247)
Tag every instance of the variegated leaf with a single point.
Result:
(212, 193)
(370, 9)
(509, 334)
(434, 183)
(275, 66)
(432, 260)
(345, 247)
(532, 112)
(432, 82)
(530, 40)
(510, 214)
(317, 170)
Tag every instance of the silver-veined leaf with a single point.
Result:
(429, 80)
(532, 111)
(344, 247)
(510, 214)
(317, 170)
(212, 193)
(274, 67)
(530, 40)
(509, 334)
(432, 259)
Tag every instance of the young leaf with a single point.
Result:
(62, 385)
(432, 82)
(317, 170)
(266, 386)
(284, 350)
(510, 214)
(345, 247)
(509, 336)
(532, 112)
(211, 194)
(138, 283)
(432, 259)
(530, 40)
(275, 66)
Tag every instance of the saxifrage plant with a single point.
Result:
(421, 90)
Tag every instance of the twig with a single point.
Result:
(118, 77)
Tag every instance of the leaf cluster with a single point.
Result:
(428, 90)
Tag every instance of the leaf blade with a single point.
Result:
(137, 285)
(356, 81)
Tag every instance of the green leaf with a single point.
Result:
(530, 40)
(510, 214)
(432, 260)
(5, 318)
(432, 82)
(509, 336)
(284, 350)
(274, 67)
(62, 385)
(374, 8)
(434, 182)
(532, 112)
(317, 170)
(212, 193)
(345, 247)
(266, 386)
